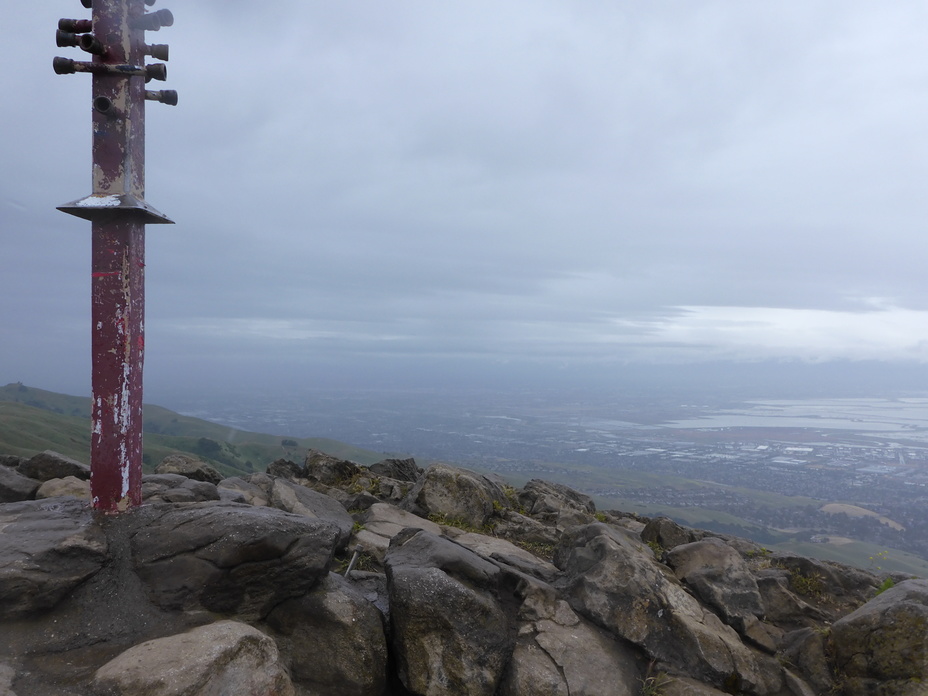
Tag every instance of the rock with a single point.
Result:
(329, 470)
(286, 469)
(230, 558)
(357, 501)
(455, 494)
(189, 466)
(507, 553)
(190, 492)
(11, 460)
(7, 674)
(47, 548)
(15, 487)
(335, 639)
(666, 534)
(389, 489)
(252, 493)
(399, 469)
(887, 638)
(48, 465)
(846, 588)
(230, 495)
(555, 504)
(720, 577)
(153, 484)
(69, 485)
(546, 659)
(226, 657)
(614, 581)
(805, 650)
(516, 526)
(291, 497)
(781, 605)
(450, 635)
(176, 488)
(381, 522)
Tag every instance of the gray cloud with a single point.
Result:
(537, 181)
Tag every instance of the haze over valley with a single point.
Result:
(817, 471)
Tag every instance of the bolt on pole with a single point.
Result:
(115, 40)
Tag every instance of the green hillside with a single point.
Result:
(33, 420)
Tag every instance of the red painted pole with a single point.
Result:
(119, 213)
(118, 308)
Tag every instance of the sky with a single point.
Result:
(404, 192)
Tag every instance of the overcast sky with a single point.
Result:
(367, 188)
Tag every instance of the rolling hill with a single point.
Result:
(33, 420)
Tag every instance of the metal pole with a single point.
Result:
(118, 213)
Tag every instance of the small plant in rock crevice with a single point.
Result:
(653, 684)
(543, 550)
(885, 585)
(459, 523)
(656, 548)
(512, 497)
(811, 585)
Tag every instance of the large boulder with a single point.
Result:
(284, 468)
(558, 653)
(721, 579)
(11, 460)
(292, 497)
(450, 635)
(455, 495)
(782, 606)
(381, 522)
(15, 487)
(885, 641)
(69, 485)
(250, 492)
(47, 548)
(226, 657)
(518, 527)
(335, 640)
(806, 650)
(189, 466)
(613, 580)
(230, 558)
(665, 534)
(556, 504)
(48, 465)
(399, 469)
(328, 470)
(842, 588)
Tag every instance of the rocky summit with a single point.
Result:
(327, 578)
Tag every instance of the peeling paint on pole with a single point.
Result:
(118, 213)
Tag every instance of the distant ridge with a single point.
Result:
(33, 420)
